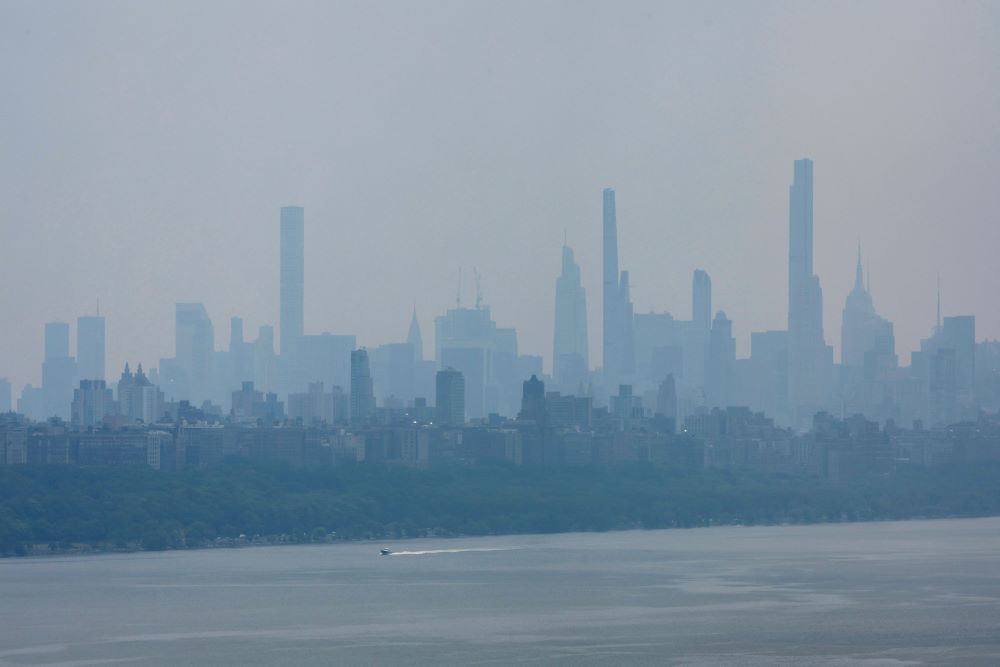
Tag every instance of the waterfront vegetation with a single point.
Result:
(59, 509)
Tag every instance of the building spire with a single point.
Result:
(859, 281)
(937, 320)
(414, 337)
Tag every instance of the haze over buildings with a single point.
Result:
(422, 162)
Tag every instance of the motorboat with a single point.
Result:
(384, 552)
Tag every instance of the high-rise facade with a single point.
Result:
(415, 338)
(701, 300)
(56, 340)
(139, 400)
(5, 396)
(362, 387)
(92, 401)
(570, 361)
(720, 359)
(450, 397)
(90, 347)
(862, 329)
(194, 351)
(809, 359)
(618, 344)
(610, 295)
(58, 372)
(292, 257)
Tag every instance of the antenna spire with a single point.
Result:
(479, 291)
(937, 322)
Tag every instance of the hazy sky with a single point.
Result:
(145, 149)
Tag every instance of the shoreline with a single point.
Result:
(263, 542)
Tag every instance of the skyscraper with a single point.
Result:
(666, 400)
(58, 372)
(91, 403)
(362, 387)
(619, 352)
(701, 300)
(612, 309)
(90, 347)
(292, 325)
(139, 400)
(570, 361)
(194, 350)
(719, 361)
(5, 395)
(414, 338)
(56, 340)
(809, 359)
(450, 397)
(862, 328)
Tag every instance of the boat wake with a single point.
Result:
(431, 552)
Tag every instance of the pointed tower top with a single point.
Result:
(859, 281)
(937, 320)
(414, 338)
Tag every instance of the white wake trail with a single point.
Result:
(449, 551)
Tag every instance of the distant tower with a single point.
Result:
(235, 334)
(719, 362)
(666, 399)
(5, 395)
(292, 277)
(611, 293)
(701, 300)
(450, 397)
(90, 347)
(809, 359)
(414, 338)
(362, 387)
(58, 372)
(56, 340)
(862, 330)
(533, 401)
(626, 326)
(570, 361)
(194, 348)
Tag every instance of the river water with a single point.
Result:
(916, 592)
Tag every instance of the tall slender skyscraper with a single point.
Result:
(626, 324)
(293, 251)
(90, 347)
(570, 361)
(362, 387)
(803, 314)
(58, 371)
(611, 293)
(809, 359)
(414, 337)
(701, 300)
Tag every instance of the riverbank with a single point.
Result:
(65, 510)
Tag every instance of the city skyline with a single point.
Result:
(68, 337)
(102, 203)
(790, 375)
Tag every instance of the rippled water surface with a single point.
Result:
(919, 592)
